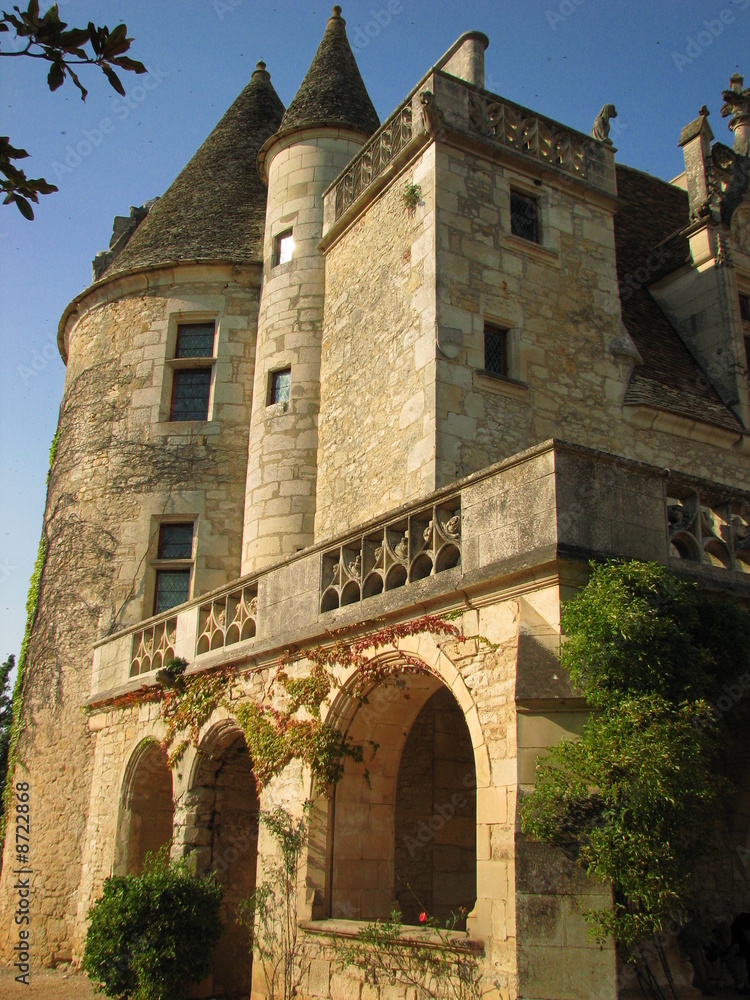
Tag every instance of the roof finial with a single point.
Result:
(337, 11)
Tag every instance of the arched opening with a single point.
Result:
(404, 833)
(146, 809)
(435, 863)
(223, 835)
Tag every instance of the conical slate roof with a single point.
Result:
(333, 92)
(216, 208)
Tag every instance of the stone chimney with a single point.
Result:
(467, 62)
(695, 140)
(737, 104)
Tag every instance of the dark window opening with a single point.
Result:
(173, 581)
(496, 351)
(524, 216)
(745, 316)
(191, 388)
(195, 340)
(281, 383)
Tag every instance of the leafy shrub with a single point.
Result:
(153, 934)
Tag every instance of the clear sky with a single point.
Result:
(658, 62)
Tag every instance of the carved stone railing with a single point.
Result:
(228, 619)
(716, 533)
(153, 647)
(490, 116)
(374, 158)
(411, 548)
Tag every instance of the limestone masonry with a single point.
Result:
(344, 372)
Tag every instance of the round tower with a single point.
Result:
(152, 434)
(327, 123)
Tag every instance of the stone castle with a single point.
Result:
(345, 372)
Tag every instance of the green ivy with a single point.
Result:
(32, 602)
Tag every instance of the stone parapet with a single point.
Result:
(521, 518)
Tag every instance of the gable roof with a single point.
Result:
(216, 208)
(649, 241)
(333, 92)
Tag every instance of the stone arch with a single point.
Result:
(220, 830)
(354, 863)
(146, 812)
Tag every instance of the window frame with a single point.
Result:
(161, 565)
(516, 192)
(744, 298)
(278, 239)
(199, 363)
(495, 329)
(272, 385)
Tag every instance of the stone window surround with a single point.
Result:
(155, 563)
(743, 287)
(282, 234)
(281, 227)
(278, 365)
(512, 382)
(172, 364)
(547, 249)
(273, 386)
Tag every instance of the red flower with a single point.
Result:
(423, 917)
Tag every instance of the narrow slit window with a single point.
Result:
(745, 316)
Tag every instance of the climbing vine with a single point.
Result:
(32, 601)
(285, 723)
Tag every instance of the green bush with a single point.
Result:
(153, 934)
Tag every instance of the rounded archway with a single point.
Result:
(223, 836)
(403, 824)
(146, 815)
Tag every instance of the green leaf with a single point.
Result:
(56, 75)
(130, 64)
(113, 79)
(24, 207)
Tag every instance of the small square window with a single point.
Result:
(172, 588)
(496, 350)
(283, 247)
(281, 383)
(176, 541)
(524, 216)
(195, 340)
(191, 389)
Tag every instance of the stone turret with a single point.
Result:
(326, 124)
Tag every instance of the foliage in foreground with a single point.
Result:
(436, 962)
(270, 915)
(31, 34)
(635, 799)
(151, 935)
(6, 721)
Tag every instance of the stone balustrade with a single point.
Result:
(552, 504)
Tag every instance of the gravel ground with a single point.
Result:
(46, 984)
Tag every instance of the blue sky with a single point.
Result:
(657, 62)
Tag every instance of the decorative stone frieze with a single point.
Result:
(716, 533)
(228, 619)
(411, 548)
(153, 647)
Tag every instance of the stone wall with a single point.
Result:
(377, 426)
(118, 469)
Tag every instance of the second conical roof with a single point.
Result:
(216, 208)
(333, 92)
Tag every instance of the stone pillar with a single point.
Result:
(282, 452)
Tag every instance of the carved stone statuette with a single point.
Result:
(600, 130)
